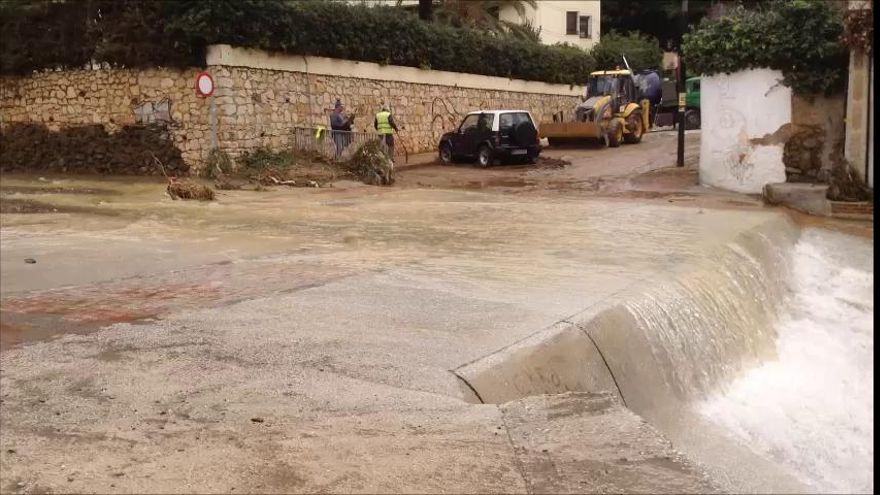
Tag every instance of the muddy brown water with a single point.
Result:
(29, 206)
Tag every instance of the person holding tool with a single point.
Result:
(340, 126)
(386, 127)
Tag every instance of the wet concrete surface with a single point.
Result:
(301, 340)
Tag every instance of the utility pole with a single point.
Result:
(682, 92)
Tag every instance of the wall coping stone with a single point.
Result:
(226, 55)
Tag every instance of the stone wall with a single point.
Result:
(261, 98)
(816, 139)
(261, 106)
(112, 98)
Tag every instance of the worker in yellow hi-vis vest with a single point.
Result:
(386, 127)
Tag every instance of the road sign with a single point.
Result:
(204, 84)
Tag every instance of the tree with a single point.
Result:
(641, 51)
(482, 14)
(426, 8)
(661, 18)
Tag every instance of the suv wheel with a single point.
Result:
(484, 156)
(446, 154)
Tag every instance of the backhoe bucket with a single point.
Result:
(570, 130)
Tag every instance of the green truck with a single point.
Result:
(669, 104)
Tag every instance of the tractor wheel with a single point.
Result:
(636, 130)
(615, 133)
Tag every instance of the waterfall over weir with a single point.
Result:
(812, 409)
(754, 359)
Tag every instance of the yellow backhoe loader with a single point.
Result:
(612, 112)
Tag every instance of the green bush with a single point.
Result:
(264, 159)
(800, 38)
(641, 51)
(141, 33)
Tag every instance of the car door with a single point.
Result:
(484, 130)
(463, 140)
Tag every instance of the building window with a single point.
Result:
(571, 23)
(586, 26)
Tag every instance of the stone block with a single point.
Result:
(808, 198)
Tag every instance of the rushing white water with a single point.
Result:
(811, 410)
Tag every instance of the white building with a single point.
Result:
(562, 21)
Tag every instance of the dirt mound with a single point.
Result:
(547, 162)
(88, 149)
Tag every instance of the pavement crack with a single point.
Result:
(518, 464)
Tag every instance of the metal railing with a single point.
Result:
(337, 145)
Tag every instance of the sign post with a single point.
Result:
(205, 89)
(682, 91)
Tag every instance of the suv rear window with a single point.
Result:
(508, 121)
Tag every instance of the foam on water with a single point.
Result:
(811, 410)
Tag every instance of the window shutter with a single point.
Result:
(571, 19)
(586, 26)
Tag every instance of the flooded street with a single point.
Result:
(302, 340)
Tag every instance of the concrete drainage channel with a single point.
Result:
(660, 347)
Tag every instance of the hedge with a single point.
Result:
(36, 35)
(800, 38)
(642, 51)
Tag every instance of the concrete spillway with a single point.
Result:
(756, 360)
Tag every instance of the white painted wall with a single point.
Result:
(736, 108)
(550, 16)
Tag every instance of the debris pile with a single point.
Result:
(371, 165)
(217, 165)
(187, 189)
(88, 149)
(547, 162)
(846, 185)
(265, 167)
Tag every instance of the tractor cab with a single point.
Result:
(618, 84)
